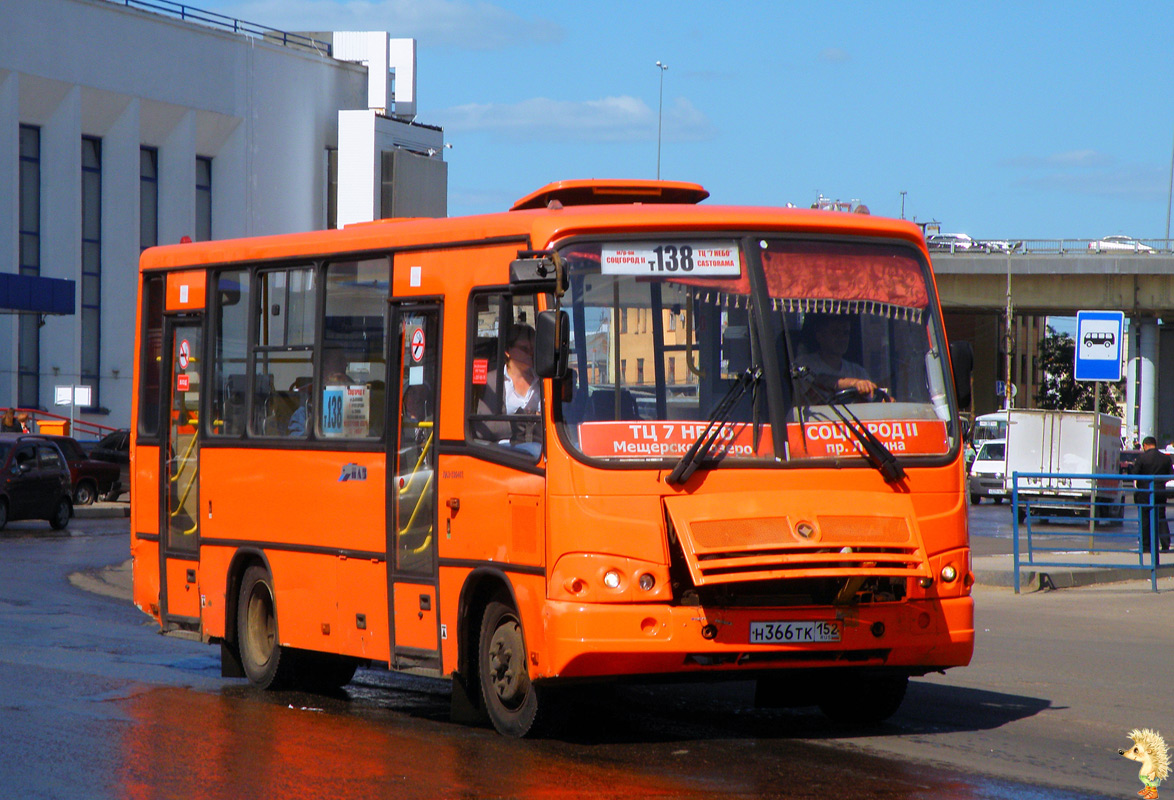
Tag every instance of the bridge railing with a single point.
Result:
(1045, 504)
(1062, 247)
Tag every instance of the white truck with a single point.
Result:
(1064, 443)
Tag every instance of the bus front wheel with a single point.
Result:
(511, 700)
(264, 660)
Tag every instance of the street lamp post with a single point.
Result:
(659, 114)
(903, 204)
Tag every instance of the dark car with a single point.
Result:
(115, 448)
(91, 478)
(34, 480)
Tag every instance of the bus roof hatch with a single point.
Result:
(610, 192)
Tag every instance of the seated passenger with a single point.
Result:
(522, 391)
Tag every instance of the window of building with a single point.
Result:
(91, 288)
(203, 199)
(29, 331)
(672, 370)
(639, 370)
(505, 396)
(331, 187)
(148, 197)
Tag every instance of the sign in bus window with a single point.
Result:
(346, 410)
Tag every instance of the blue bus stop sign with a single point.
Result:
(1098, 345)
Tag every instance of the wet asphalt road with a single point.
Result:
(95, 704)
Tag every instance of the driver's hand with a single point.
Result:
(862, 385)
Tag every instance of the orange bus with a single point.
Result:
(611, 433)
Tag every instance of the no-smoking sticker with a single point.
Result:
(418, 344)
(185, 353)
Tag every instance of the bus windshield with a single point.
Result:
(821, 332)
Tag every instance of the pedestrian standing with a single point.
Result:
(1151, 496)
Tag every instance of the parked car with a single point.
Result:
(115, 448)
(951, 242)
(1119, 244)
(986, 472)
(34, 481)
(90, 478)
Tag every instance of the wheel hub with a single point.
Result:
(504, 660)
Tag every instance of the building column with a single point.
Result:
(1141, 386)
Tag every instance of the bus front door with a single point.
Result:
(179, 525)
(412, 518)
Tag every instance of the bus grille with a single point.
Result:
(819, 546)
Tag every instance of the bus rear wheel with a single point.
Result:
(266, 663)
(863, 699)
(511, 700)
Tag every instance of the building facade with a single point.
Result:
(122, 128)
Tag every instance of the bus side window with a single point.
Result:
(505, 396)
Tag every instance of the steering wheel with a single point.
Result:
(853, 395)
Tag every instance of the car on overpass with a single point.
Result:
(951, 242)
(1119, 244)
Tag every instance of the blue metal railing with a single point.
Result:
(1107, 501)
(211, 18)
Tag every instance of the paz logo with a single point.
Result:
(352, 472)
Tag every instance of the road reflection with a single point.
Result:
(240, 743)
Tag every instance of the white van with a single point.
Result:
(986, 473)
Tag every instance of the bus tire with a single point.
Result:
(267, 664)
(511, 700)
(863, 699)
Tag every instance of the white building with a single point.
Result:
(121, 128)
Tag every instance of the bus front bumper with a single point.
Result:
(601, 640)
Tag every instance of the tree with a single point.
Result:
(1060, 390)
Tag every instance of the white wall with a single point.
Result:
(266, 114)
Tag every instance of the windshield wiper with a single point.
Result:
(721, 412)
(878, 455)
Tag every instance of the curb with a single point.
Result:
(1035, 579)
(102, 511)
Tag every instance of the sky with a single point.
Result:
(998, 119)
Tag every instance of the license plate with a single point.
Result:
(996, 491)
(794, 632)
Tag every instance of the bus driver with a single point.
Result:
(827, 337)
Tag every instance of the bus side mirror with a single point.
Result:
(962, 365)
(552, 341)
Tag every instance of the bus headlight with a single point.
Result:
(949, 573)
(606, 578)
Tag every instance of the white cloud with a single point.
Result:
(1079, 159)
(611, 119)
(467, 24)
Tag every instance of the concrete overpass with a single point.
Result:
(1061, 281)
